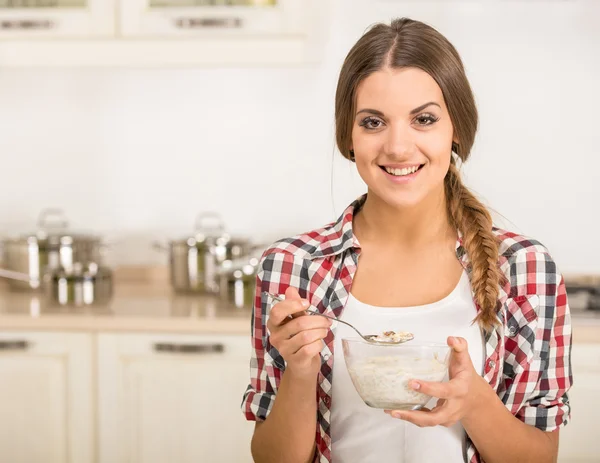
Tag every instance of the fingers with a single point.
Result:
(448, 390)
(304, 339)
(395, 413)
(419, 418)
(307, 352)
(293, 327)
(280, 311)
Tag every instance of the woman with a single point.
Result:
(417, 251)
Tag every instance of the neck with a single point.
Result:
(419, 225)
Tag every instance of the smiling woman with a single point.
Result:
(419, 253)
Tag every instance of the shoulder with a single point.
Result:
(299, 249)
(527, 264)
(303, 245)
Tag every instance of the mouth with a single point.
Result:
(405, 172)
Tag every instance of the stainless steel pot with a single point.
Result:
(238, 282)
(49, 248)
(80, 285)
(195, 260)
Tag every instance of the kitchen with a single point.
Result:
(143, 124)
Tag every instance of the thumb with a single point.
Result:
(292, 294)
(460, 352)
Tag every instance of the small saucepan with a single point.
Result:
(81, 285)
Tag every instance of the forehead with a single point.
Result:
(398, 90)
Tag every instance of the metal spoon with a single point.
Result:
(370, 338)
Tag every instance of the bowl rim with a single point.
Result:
(412, 343)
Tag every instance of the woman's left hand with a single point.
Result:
(458, 397)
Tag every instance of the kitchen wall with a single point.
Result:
(136, 153)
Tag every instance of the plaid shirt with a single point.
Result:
(527, 355)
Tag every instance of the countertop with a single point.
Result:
(134, 307)
(154, 307)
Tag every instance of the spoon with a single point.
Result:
(399, 338)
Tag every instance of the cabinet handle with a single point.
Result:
(14, 345)
(27, 24)
(188, 348)
(212, 23)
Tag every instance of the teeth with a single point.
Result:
(401, 172)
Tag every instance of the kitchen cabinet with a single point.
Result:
(579, 442)
(172, 398)
(46, 397)
(37, 19)
(216, 18)
(163, 33)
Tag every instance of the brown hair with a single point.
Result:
(409, 43)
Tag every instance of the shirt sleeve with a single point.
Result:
(540, 389)
(266, 365)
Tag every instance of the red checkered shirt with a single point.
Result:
(527, 355)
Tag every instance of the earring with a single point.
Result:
(352, 158)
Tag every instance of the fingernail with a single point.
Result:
(416, 386)
(397, 415)
(305, 304)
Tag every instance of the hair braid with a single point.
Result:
(474, 221)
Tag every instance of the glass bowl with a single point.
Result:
(380, 373)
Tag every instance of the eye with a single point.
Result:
(371, 123)
(426, 119)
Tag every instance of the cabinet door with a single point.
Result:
(173, 398)
(46, 398)
(57, 18)
(215, 18)
(579, 442)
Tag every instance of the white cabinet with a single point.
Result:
(46, 398)
(579, 441)
(163, 33)
(216, 18)
(172, 398)
(57, 18)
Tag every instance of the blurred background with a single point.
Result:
(152, 148)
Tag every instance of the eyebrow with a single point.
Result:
(414, 111)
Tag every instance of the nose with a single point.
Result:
(399, 141)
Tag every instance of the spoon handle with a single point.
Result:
(335, 320)
(313, 312)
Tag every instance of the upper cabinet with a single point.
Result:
(162, 33)
(37, 19)
(215, 18)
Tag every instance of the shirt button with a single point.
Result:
(491, 364)
(326, 357)
(327, 401)
(512, 330)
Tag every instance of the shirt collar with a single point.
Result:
(339, 237)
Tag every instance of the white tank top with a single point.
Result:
(361, 434)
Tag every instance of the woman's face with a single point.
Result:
(402, 136)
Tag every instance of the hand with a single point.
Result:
(297, 336)
(458, 397)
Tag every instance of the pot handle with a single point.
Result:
(11, 275)
(44, 223)
(207, 217)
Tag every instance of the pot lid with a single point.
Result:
(209, 229)
(53, 230)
